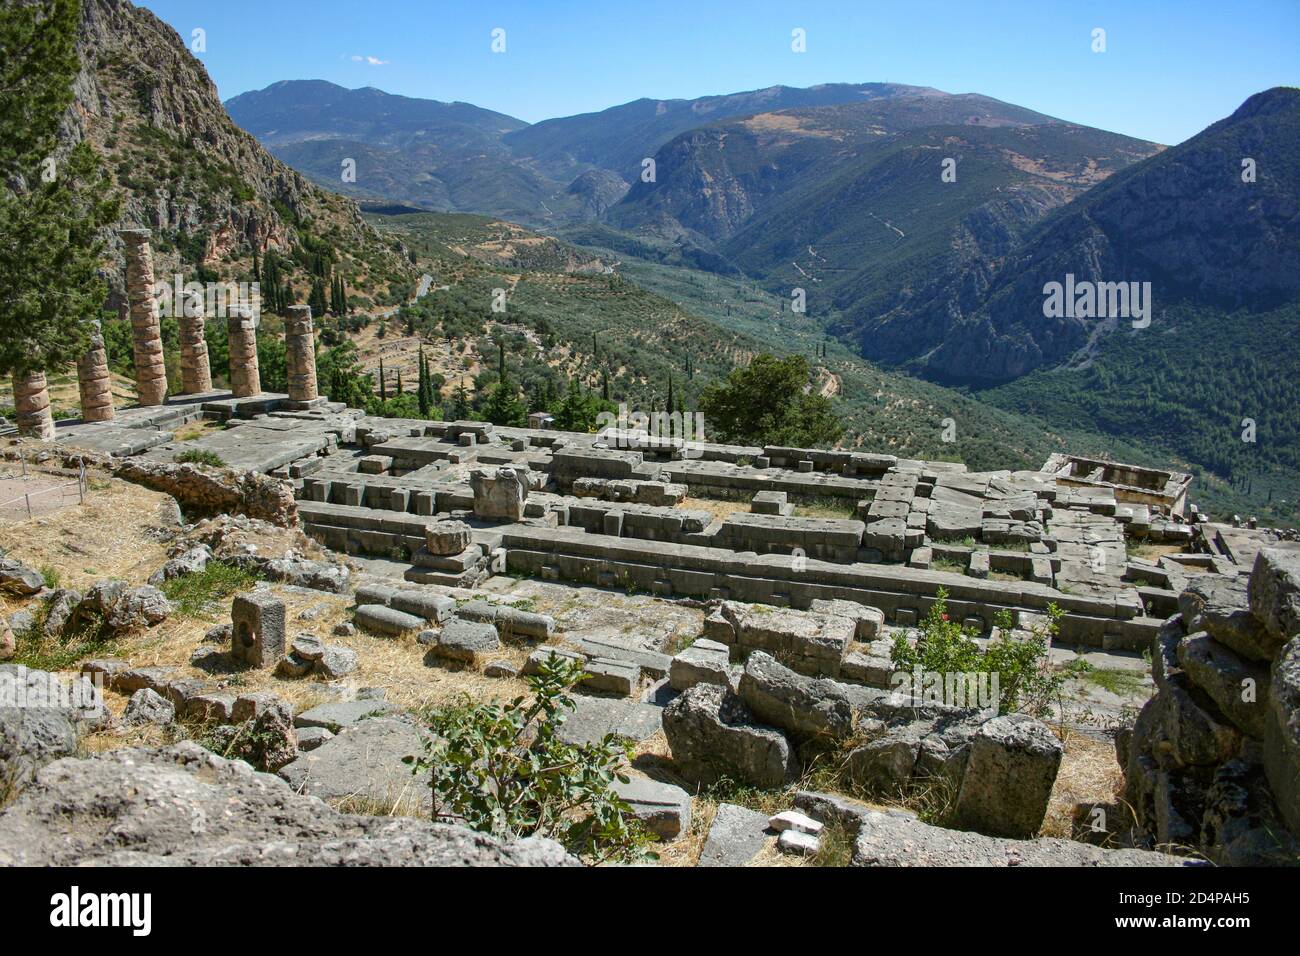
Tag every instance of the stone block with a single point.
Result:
(664, 810)
(1009, 777)
(257, 637)
(703, 662)
(712, 735)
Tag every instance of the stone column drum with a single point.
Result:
(245, 378)
(300, 354)
(32, 406)
(94, 382)
(196, 374)
(146, 332)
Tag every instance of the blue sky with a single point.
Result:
(1171, 67)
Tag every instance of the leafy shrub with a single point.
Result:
(1025, 680)
(201, 456)
(502, 769)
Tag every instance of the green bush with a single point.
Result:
(502, 769)
(201, 456)
(1025, 680)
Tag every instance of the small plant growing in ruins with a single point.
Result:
(503, 769)
(201, 456)
(50, 575)
(1025, 680)
(198, 595)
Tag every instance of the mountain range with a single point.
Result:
(920, 227)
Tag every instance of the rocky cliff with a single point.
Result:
(209, 191)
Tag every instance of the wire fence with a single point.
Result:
(39, 500)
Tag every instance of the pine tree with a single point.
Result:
(49, 246)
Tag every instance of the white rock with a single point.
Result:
(802, 844)
(794, 820)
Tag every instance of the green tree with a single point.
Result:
(768, 403)
(52, 206)
(504, 407)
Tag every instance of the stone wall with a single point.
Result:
(1212, 763)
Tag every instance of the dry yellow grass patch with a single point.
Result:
(1090, 774)
(719, 508)
(104, 538)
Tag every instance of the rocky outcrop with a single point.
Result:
(183, 806)
(140, 87)
(1212, 762)
(214, 490)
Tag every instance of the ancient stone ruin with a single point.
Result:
(772, 584)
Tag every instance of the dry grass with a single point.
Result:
(719, 508)
(1090, 774)
(104, 538)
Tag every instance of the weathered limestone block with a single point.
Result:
(241, 330)
(386, 620)
(258, 635)
(196, 373)
(897, 838)
(31, 737)
(1190, 731)
(94, 383)
(809, 643)
(804, 707)
(1282, 735)
(713, 735)
(664, 810)
(146, 330)
(736, 836)
(544, 653)
(300, 354)
(1221, 606)
(1009, 777)
(32, 406)
(704, 662)
(885, 765)
(1240, 688)
(870, 620)
(464, 641)
(447, 537)
(874, 670)
(499, 495)
(149, 707)
(1275, 591)
(510, 622)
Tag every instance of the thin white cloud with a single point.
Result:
(371, 60)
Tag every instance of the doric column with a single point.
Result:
(300, 354)
(196, 374)
(94, 381)
(146, 332)
(32, 406)
(245, 379)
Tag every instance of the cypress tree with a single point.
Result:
(50, 259)
(383, 388)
